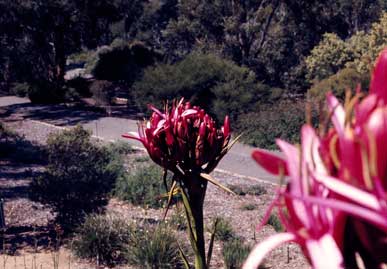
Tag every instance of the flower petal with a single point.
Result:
(272, 163)
(259, 252)
(378, 84)
(324, 253)
(338, 113)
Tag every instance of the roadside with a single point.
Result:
(238, 161)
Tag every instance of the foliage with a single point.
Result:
(121, 61)
(178, 220)
(20, 89)
(218, 86)
(275, 222)
(328, 57)
(104, 238)
(143, 187)
(78, 177)
(154, 248)
(235, 253)
(102, 91)
(80, 85)
(224, 230)
(258, 128)
(345, 79)
(249, 207)
(256, 189)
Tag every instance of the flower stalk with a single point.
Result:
(185, 140)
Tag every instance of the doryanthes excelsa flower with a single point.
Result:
(185, 140)
(312, 226)
(357, 148)
(348, 165)
(183, 137)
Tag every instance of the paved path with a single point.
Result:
(237, 161)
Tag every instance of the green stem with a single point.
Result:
(194, 191)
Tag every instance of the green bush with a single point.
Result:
(347, 78)
(256, 189)
(249, 207)
(121, 61)
(224, 231)
(178, 219)
(142, 187)
(102, 92)
(20, 89)
(104, 238)
(217, 85)
(78, 177)
(80, 85)
(45, 92)
(280, 120)
(235, 253)
(275, 222)
(154, 248)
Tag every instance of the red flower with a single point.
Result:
(183, 137)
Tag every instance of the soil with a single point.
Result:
(30, 236)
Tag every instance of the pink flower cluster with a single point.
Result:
(335, 202)
(183, 138)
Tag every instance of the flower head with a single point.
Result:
(336, 197)
(183, 137)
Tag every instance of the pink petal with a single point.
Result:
(338, 113)
(189, 112)
(378, 84)
(133, 135)
(364, 109)
(226, 126)
(369, 215)
(292, 154)
(377, 127)
(156, 110)
(269, 161)
(346, 190)
(259, 252)
(324, 253)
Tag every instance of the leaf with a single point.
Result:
(170, 195)
(183, 257)
(211, 245)
(215, 182)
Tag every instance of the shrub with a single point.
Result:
(217, 85)
(249, 207)
(143, 187)
(224, 230)
(178, 219)
(78, 177)
(104, 238)
(256, 189)
(239, 190)
(122, 61)
(328, 57)
(102, 91)
(275, 222)
(20, 89)
(80, 85)
(235, 253)
(280, 120)
(347, 78)
(45, 92)
(154, 247)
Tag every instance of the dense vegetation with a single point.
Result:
(231, 56)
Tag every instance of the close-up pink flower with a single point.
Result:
(336, 195)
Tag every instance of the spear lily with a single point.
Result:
(184, 139)
(336, 197)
